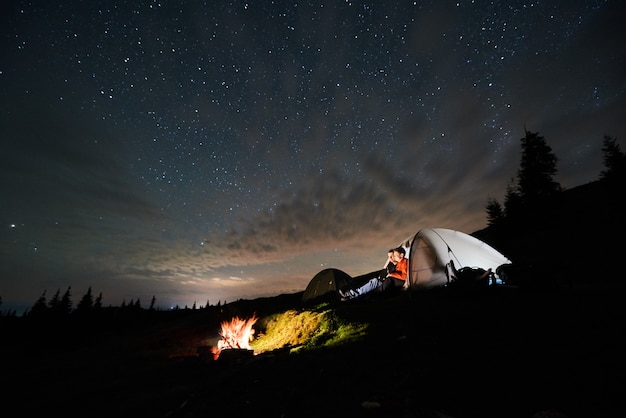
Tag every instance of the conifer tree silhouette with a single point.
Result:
(614, 161)
(86, 303)
(40, 308)
(535, 177)
(65, 306)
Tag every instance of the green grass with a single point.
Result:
(304, 330)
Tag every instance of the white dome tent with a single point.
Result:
(431, 250)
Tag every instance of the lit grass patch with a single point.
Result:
(301, 330)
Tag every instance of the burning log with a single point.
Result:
(232, 356)
(236, 336)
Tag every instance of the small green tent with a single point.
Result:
(324, 285)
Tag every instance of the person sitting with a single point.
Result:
(389, 267)
(394, 279)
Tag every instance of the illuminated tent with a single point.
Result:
(431, 250)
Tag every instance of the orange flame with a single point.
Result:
(235, 334)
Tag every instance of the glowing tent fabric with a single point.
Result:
(431, 249)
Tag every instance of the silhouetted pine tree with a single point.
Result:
(86, 303)
(512, 202)
(54, 303)
(65, 306)
(40, 308)
(535, 177)
(614, 161)
(55, 299)
(98, 303)
(495, 213)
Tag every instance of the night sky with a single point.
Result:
(207, 151)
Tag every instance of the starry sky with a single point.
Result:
(209, 151)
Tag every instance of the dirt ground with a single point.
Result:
(494, 353)
(497, 352)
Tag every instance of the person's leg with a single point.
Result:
(390, 283)
(366, 288)
(384, 284)
(369, 286)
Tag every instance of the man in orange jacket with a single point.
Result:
(399, 275)
(397, 278)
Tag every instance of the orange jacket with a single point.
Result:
(402, 269)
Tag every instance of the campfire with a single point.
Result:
(236, 335)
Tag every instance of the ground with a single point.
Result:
(496, 352)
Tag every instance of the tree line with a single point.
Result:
(62, 306)
(534, 186)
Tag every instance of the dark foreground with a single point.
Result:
(497, 352)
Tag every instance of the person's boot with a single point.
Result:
(348, 294)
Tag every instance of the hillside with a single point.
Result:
(535, 351)
(500, 352)
(576, 242)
